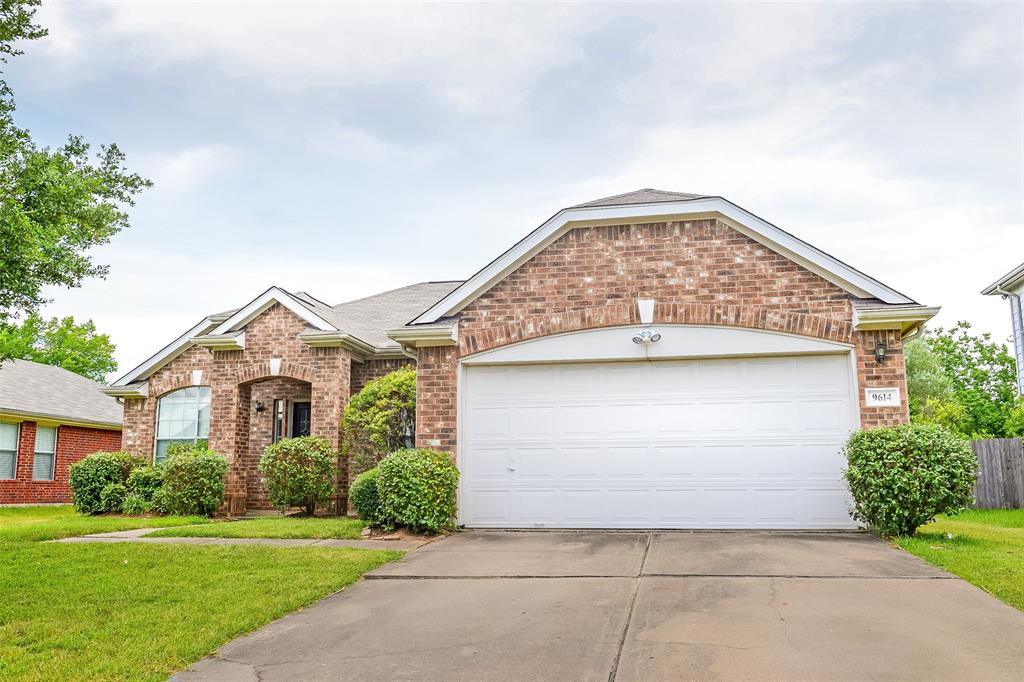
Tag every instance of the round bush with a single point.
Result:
(112, 497)
(417, 488)
(145, 481)
(365, 498)
(299, 472)
(135, 505)
(193, 482)
(902, 476)
(89, 476)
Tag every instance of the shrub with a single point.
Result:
(902, 476)
(193, 482)
(365, 497)
(145, 481)
(299, 472)
(89, 476)
(135, 505)
(159, 503)
(112, 497)
(379, 418)
(417, 488)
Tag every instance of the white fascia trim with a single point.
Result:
(140, 391)
(335, 338)
(421, 338)
(1008, 281)
(57, 420)
(747, 223)
(165, 355)
(221, 342)
(907, 319)
(262, 302)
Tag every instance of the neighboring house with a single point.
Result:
(49, 419)
(653, 359)
(1011, 287)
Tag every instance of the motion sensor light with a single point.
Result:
(645, 337)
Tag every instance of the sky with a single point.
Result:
(347, 149)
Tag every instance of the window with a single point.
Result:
(8, 449)
(278, 420)
(182, 417)
(45, 454)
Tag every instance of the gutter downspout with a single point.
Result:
(1017, 317)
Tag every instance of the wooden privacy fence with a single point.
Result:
(1000, 473)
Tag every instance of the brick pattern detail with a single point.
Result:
(700, 272)
(73, 443)
(364, 372)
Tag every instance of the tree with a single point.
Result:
(926, 378)
(55, 204)
(60, 342)
(380, 419)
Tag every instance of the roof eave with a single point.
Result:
(906, 319)
(62, 420)
(423, 337)
(1010, 280)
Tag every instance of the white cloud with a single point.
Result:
(357, 144)
(182, 170)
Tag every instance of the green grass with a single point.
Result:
(272, 527)
(30, 524)
(986, 549)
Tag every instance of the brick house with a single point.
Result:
(49, 419)
(652, 359)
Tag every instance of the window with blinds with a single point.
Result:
(45, 453)
(8, 449)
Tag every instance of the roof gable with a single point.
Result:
(32, 389)
(620, 209)
(304, 307)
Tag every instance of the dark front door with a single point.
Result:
(300, 419)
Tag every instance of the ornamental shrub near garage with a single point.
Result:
(193, 482)
(365, 497)
(417, 489)
(901, 477)
(299, 472)
(88, 478)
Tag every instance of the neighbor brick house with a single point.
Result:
(49, 419)
(653, 359)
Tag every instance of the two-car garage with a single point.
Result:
(742, 441)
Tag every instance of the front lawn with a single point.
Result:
(986, 549)
(30, 524)
(272, 527)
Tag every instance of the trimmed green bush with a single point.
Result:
(417, 489)
(193, 482)
(365, 498)
(379, 418)
(89, 476)
(112, 497)
(299, 472)
(902, 476)
(160, 503)
(135, 505)
(145, 481)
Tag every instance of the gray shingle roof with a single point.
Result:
(31, 388)
(368, 318)
(641, 196)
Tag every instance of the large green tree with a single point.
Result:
(55, 203)
(59, 341)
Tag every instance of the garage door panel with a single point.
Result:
(732, 443)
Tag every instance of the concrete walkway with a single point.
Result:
(139, 535)
(640, 606)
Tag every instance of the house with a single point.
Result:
(1011, 287)
(652, 359)
(49, 419)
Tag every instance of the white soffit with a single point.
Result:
(677, 342)
(747, 223)
(264, 301)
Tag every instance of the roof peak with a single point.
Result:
(647, 195)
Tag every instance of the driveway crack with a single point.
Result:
(614, 672)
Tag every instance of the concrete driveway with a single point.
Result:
(641, 606)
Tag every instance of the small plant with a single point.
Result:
(299, 472)
(193, 482)
(112, 497)
(365, 497)
(88, 478)
(379, 419)
(417, 488)
(135, 505)
(902, 476)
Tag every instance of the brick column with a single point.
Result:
(436, 398)
(330, 393)
(229, 433)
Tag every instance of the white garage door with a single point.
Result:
(724, 443)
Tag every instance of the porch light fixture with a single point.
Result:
(880, 350)
(258, 406)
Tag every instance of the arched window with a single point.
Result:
(182, 416)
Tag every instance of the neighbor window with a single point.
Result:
(8, 449)
(45, 454)
(182, 417)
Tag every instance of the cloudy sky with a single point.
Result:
(348, 149)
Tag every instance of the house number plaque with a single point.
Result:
(882, 397)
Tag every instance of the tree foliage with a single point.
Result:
(60, 342)
(380, 418)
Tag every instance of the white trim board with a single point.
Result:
(165, 354)
(747, 223)
(264, 301)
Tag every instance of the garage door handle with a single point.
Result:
(510, 468)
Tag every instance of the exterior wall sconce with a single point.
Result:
(258, 406)
(880, 350)
(645, 310)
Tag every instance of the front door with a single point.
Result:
(300, 419)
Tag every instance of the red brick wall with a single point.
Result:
(261, 431)
(699, 271)
(73, 443)
(364, 372)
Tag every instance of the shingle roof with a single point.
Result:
(368, 318)
(641, 196)
(31, 388)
